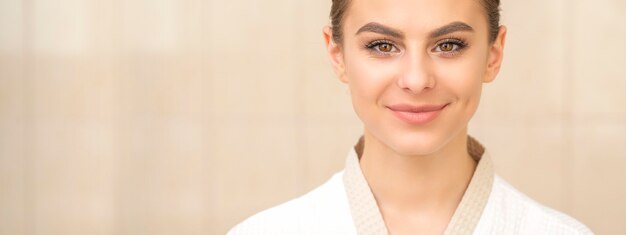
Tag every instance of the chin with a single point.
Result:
(416, 144)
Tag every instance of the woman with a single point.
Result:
(415, 69)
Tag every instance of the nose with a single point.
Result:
(416, 74)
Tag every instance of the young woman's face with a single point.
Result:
(415, 68)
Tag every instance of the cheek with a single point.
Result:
(368, 80)
(463, 80)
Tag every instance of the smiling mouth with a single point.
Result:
(416, 115)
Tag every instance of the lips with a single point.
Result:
(416, 114)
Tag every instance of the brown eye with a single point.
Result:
(385, 47)
(450, 47)
(446, 47)
(382, 48)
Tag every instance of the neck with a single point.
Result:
(426, 184)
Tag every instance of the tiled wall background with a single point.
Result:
(185, 117)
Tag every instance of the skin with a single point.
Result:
(417, 172)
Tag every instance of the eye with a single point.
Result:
(450, 46)
(382, 47)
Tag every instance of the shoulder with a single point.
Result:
(325, 207)
(510, 211)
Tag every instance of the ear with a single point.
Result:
(335, 54)
(496, 52)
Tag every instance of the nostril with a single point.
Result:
(415, 84)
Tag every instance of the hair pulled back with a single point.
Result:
(339, 8)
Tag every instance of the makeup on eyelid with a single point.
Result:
(458, 45)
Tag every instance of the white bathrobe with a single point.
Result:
(345, 205)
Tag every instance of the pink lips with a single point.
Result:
(416, 115)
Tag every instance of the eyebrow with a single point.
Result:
(380, 29)
(443, 30)
(451, 28)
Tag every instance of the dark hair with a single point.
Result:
(339, 8)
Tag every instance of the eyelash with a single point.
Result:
(372, 46)
(459, 43)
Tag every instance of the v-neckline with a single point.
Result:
(368, 219)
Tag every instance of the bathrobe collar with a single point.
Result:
(366, 214)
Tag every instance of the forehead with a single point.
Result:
(414, 17)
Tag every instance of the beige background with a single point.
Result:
(185, 117)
